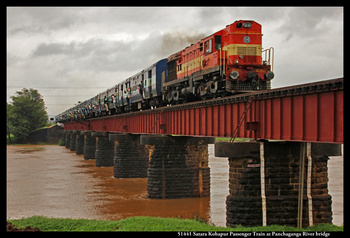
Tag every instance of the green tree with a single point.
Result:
(9, 126)
(26, 113)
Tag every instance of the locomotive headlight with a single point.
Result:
(270, 75)
(234, 75)
(236, 61)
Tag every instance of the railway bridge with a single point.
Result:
(279, 177)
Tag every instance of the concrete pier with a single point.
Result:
(178, 166)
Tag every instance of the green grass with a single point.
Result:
(59, 224)
(149, 224)
(226, 139)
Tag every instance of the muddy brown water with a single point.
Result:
(51, 181)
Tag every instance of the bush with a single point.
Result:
(60, 142)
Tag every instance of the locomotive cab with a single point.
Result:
(227, 62)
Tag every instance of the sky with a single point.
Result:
(70, 54)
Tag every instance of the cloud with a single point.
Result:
(29, 19)
(50, 49)
(115, 55)
(309, 22)
(96, 54)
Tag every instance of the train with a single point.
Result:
(228, 62)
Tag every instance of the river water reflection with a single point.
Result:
(52, 181)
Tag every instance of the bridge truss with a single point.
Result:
(312, 112)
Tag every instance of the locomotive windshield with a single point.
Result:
(247, 24)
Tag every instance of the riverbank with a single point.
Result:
(151, 224)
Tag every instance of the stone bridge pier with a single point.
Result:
(72, 140)
(104, 149)
(175, 166)
(67, 139)
(130, 157)
(178, 166)
(89, 145)
(79, 143)
(282, 183)
(279, 182)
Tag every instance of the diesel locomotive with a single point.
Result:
(227, 62)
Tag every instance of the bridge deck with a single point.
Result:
(312, 112)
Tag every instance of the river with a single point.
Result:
(51, 181)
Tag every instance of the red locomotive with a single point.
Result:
(226, 62)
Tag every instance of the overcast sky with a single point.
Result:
(71, 54)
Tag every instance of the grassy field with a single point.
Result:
(150, 224)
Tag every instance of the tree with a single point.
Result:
(26, 113)
(9, 126)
